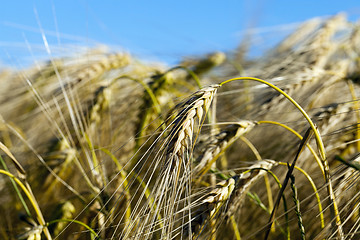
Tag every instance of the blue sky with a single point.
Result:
(152, 30)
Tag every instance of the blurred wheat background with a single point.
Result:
(104, 145)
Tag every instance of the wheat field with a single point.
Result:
(105, 146)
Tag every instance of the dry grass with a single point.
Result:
(103, 146)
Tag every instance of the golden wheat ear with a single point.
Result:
(173, 157)
(216, 145)
(182, 127)
(244, 182)
(209, 205)
(224, 200)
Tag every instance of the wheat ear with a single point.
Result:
(177, 149)
(209, 206)
(243, 183)
(219, 143)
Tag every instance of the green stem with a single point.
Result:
(190, 72)
(16, 188)
(75, 221)
(235, 227)
(32, 201)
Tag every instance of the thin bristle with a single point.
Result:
(104, 146)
